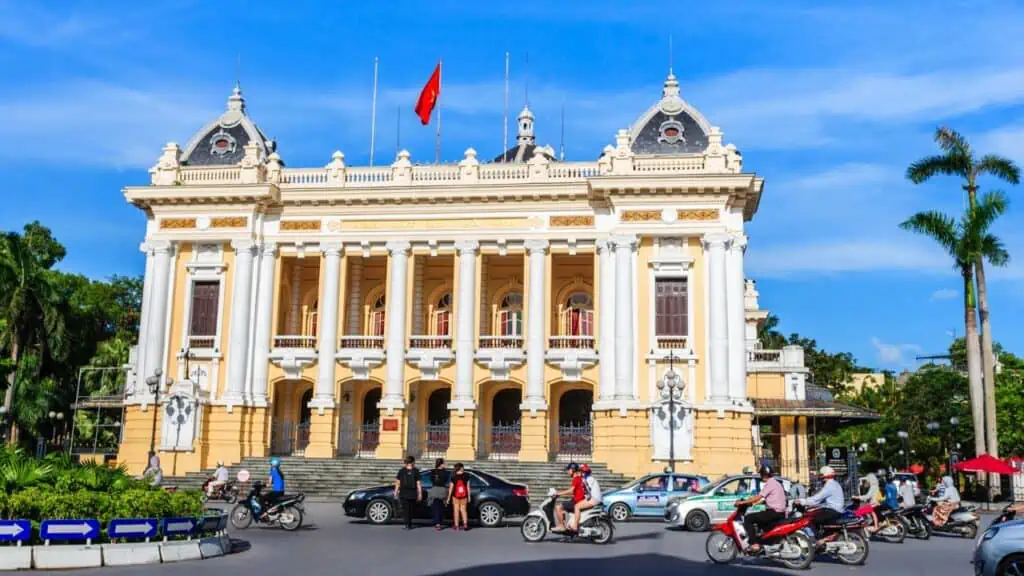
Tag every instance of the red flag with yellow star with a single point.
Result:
(428, 97)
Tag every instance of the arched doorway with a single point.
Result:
(505, 436)
(369, 430)
(436, 432)
(302, 428)
(437, 406)
(575, 438)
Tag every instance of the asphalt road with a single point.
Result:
(332, 544)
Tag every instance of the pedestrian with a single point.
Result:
(408, 489)
(438, 492)
(799, 491)
(458, 496)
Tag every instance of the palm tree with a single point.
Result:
(968, 241)
(958, 159)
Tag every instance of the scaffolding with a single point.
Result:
(97, 423)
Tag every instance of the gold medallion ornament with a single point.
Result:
(300, 225)
(177, 223)
(572, 221)
(229, 222)
(641, 216)
(697, 215)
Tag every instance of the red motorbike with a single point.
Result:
(786, 541)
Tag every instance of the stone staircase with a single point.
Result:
(331, 479)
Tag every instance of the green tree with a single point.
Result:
(1010, 403)
(958, 159)
(831, 371)
(966, 242)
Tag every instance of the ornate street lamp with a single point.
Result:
(906, 446)
(154, 387)
(671, 382)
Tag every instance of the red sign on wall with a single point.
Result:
(391, 424)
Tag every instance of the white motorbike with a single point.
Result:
(595, 524)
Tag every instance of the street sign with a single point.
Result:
(15, 530)
(179, 526)
(837, 459)
(82, 529)
(132, 528)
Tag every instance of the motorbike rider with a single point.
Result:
(907, 499)
(578, 492)
(891, 496)
(218, 480)
(830, 497)
(773, 494)
(276, 482)
(946, 503)
(592, 495)
(870, 498)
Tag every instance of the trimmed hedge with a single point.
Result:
(38, 504)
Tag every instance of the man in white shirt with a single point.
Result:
(220, 478)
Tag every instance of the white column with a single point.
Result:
(465, 314)
(418, 327)
(718, 361)
(295, 321)
(624, 341)
(328, 322)
(264, 323)
(606, 315)
(736, 318)
(157, 321)
(241, 289)
(394, 390)
(485, 304)
(355, 301)
(147, 295)
(536, 310)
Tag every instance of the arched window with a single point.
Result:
(578, 315)
(442, 315)
(309, 324)
(510, 315)
(377, 314)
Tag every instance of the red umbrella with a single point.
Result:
(987, 464)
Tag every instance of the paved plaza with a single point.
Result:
(335, 545)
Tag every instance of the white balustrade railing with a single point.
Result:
(430, 342)
(437, 173)
(287, 341)
(571, 342)
(684, 164)
(505, 342)
(304, 176)
(362, 342)
(671, 342)
(202, 341)
(211, 175)
(504, 172)
(367, 176)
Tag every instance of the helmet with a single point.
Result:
(585, 469)
(220, 463)
(827, 472)
(275, 462)
(572, 466)
(765, 472)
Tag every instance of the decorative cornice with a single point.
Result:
(300, 225)
(581, 221)
(177, 223)
(229, 222)
(641, 216)
(697, 215)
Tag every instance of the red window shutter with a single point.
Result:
(205, 301)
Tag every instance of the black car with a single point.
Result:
(491, 500)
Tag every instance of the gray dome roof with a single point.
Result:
(222, 142)
(671, 126)
(526, 142)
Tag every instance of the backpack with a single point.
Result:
(460, 488)
(409, 479)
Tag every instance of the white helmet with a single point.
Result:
(827, 472)
(220, 463)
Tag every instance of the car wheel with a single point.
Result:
(490, 515)
(619, 512)
(697, 521)
(378, 512)
(1011, 565)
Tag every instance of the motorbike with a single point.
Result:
(1005, 516)
(843, 539)
(890, 528)
(595, 523)
(227, 492)
(963, 521)
(786, 541)
(915, 522)
(287, 512)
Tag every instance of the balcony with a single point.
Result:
(430, 354)
(293, 353)
(202, 342)
(670, 342)
(501, 354)
(361, 353)
(572, 354)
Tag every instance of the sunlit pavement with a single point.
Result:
(335, 545)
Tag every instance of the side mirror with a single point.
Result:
(243, 476)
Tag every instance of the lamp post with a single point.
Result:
(671, 382)
(905, 437)
(881, 448)
(154, 387)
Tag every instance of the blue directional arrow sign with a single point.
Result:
(179, 526)
(83, 529)
(15, 530)
(132, 528)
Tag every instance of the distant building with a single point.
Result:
(859, 382)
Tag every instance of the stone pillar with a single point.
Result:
(485, 304)
(624, 342)
(418, 270)
(295, 311)
(736, 319)
(535, 323)
(465, 332)
(157, 321)
(328, 322)
(355, 301)
(264, 323)
(147, 296)
(394, 389)
(606, 318)
(241, 290)
(718, 361)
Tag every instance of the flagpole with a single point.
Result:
(504, 141)
(437, 141)
(398, 132)
(373, 111)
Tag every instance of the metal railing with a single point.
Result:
(202, 341)
(504, 441)
(289, 438)
(294, 341)
(764, 356)
(571, 342)
(430, 342)
(369, 439)
(671, 342)
(505, 342)
(371, 342)
(432, 440)
(574, 442)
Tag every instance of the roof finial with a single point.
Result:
(238, 71)
(670, 54)
(526, 83)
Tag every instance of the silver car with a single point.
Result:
(1000, 551)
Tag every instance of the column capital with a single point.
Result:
(158, 246)
(714, 240)
(331, 248)
(396, 247)
(604, 245)
(467, 246)
(243, 245)
(536, 245)
(738, 243)
(623, 241)
(269, 248)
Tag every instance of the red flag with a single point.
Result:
(428, 97)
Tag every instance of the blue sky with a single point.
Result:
(829, 101)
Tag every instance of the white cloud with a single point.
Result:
(845, 255)
(943, 294)
(896, 355)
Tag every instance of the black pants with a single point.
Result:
(270, 498)
(408, 507)
(823, 516)
(761, 520)
(437, 508)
